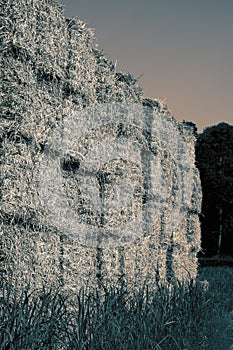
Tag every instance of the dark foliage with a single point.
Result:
(214, 157)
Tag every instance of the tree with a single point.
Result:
(214, 158)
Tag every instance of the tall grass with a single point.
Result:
(184, 317)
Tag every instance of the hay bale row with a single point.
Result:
(52, 67)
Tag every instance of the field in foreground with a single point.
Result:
(189, 318)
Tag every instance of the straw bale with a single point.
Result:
(112, 85)
(35, 31)
(80, 87)
(52, 67)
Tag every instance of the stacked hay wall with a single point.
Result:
(51, 67)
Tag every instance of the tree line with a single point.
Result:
(214, 159)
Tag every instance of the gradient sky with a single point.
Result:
(183, 48)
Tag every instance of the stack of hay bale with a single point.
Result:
(51, 68)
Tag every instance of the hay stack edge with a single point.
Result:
(51, 67)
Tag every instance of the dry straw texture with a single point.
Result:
(51, 67)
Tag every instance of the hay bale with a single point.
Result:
(52, 68)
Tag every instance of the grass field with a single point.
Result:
(189, 318)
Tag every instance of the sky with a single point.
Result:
(183, 48)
